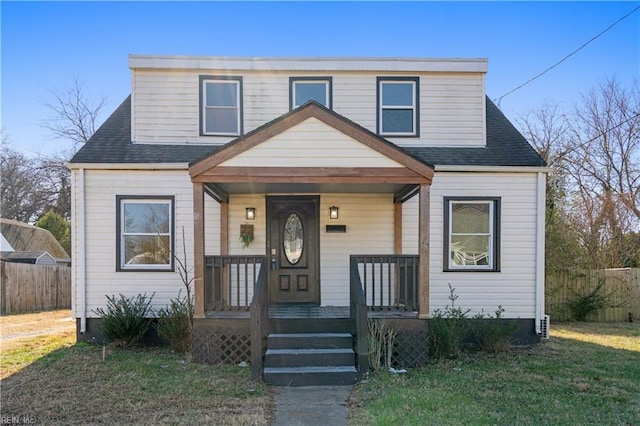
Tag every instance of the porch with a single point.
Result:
(287, 175)
(242, 325)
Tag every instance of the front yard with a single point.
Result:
(587, 373)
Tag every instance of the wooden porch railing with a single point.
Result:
(230, 281)
(389, 282)
(259, 322)
(358, 315)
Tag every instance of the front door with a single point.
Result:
(293, 248)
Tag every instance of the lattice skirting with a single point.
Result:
(219, 343)
(410, 348)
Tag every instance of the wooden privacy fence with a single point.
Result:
(623, 284)
(33, 288)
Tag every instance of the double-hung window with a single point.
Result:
(221, 105)
(145, 229)
(398, 106)
(305, 89)
(471, 234)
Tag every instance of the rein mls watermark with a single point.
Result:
(18, 419)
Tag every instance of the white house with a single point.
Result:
(307, 191)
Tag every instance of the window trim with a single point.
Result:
(495, 239)
(204, 79)
(329, 89)
(415, 107)
(120, 202)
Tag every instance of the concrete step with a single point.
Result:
(309, 357)
(311, 376)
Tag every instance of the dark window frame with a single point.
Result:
(201, 109)
(120, 266)
(494, 266)
(328, 80)
(379, 106)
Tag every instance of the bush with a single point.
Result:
(174, 324)
(125, 321)
(493, 334)
(583, 305)
(447, 329)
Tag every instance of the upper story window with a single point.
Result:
(472, 234)
(305, 89)
(398, 107)
(221, 105)
(145, 236)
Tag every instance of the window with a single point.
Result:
(472, 234)
(145, 233)
(221, 106)
(305, 89)
(398, 106)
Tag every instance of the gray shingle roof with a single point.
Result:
(112, 144)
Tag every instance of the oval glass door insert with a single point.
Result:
(293, 238)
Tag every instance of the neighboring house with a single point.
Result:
(308, 192)
(26, 243)
(32, 257)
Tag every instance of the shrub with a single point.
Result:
(447, 329)
(125, 321)
(583, 305)
(381, 338)
(493, 334)
(174, 324)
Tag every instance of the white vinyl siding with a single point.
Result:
(311, 143)
(165, 105)
(369, 222)
(514, 286)
(101, 188)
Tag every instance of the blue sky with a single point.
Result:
(46, 45)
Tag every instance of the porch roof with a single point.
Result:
(280, 157)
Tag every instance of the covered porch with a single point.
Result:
(308, 270)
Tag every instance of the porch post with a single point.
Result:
(423, 249)
(224, 228)
(198, 248)
(397, 228)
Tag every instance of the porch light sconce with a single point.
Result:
(250, 213)
(333, 212)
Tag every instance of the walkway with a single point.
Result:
(311, 405)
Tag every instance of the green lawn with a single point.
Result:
(586, 374)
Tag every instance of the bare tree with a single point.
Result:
(595, 152)
(20, 187)
(74, 114)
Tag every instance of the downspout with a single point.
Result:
(81, 251)
(540, 244)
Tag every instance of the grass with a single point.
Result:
(50, 379)
(586, 374)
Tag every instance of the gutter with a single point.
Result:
(128, 166)
(492, 169)
(540, 244)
